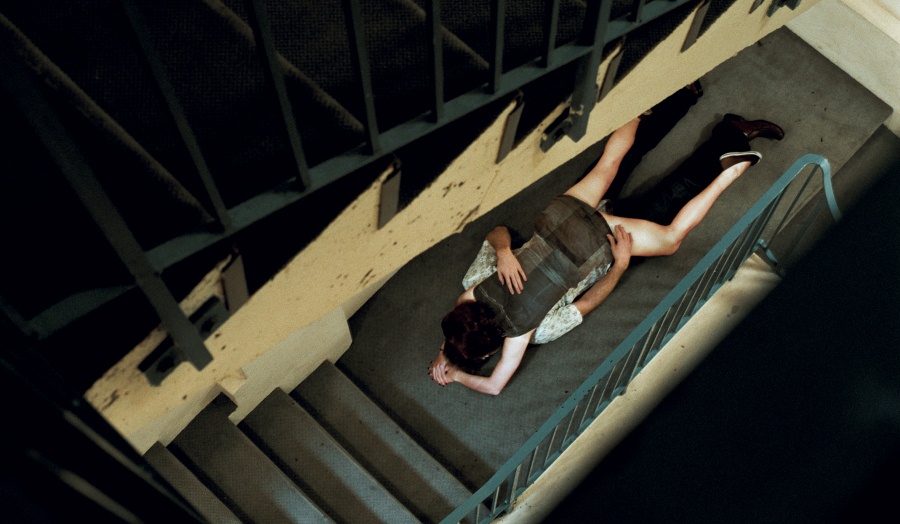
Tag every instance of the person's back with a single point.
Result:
(568, 244)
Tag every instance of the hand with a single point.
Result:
(510, 271)
(621, 244)
(442, 370)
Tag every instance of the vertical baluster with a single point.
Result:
(730, 255)
(643, 342)
(551, 25)
(596, 22)
(437, 58)
(770, 212)
(693, 297)
(360, 57)
(661, 328)
(495, 501)
(604, 394)
(550, 446)
(679, 314)
(620, 380)
(531, 463)
(514, 485)
(498, 16)
(263, 32)
(747, 245)
(637, 11)
(738, 248)
(787, 212)
(714, 274)
(568, 432)
(176, 111)
(587, 407)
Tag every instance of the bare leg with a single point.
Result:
(593, 186)
(652, 239)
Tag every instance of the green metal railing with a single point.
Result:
(614, 374)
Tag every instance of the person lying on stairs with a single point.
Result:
(580, 248)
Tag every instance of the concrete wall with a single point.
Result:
(862, 37)
(298, 319)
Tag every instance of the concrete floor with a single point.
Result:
(397, 333)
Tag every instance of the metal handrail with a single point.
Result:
(615, 373)
(226, 222)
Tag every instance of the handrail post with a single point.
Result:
(263, 32)
(360, 57)
(586, 90)
(436, 44)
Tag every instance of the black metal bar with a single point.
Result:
(609, 77)
(323, 174)
(498, 16)
(360, 56)
(234, 283)
(263, 31)
(637, 11)
(176, 111)
(507, 141)
(73, 307)
(696, 24)
(389, 200)
(16, 319)
(551, 26)
(756, 4)
(586, 90)
(26, 92)
(433, 15)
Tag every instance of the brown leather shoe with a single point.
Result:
(755, 128)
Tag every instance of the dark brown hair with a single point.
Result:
(470, 334)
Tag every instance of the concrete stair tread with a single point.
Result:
(315, 461)
(378, 443)
(238, 472)
(180, 477)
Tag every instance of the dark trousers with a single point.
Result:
(661, 203)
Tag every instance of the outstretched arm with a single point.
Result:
(445, 372)
(509, 270)
(621, 248)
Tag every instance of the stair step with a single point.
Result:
(180, 477)
(215, 450)
(380, 445)
(315, 461)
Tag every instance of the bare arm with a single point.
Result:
(444, 372)
(597, 293)
(509, 270)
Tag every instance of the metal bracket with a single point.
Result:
(559, 128)
(609, 77)
(778, 4)
(696, 24)
(512, 126)
(167, 356)
(234, 282)
(389, 203)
